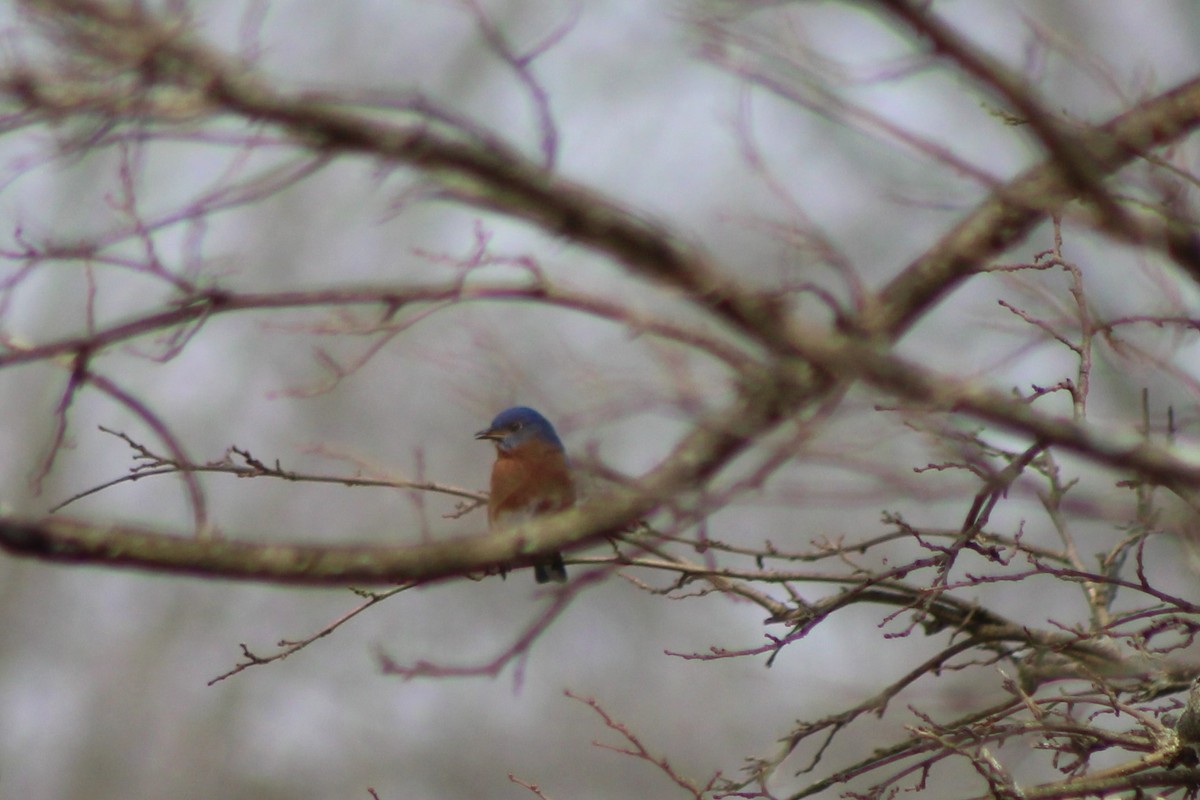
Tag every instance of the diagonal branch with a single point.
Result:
(1009, 214)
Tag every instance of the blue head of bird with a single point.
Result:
(518, 425)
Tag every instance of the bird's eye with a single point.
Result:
(516, 426)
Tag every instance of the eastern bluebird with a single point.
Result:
(531, 476)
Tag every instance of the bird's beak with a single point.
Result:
(488, 433)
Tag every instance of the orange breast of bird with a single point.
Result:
(528, 480)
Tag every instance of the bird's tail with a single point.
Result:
(551, 569)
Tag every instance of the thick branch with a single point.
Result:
(71, 540)
(715, 441)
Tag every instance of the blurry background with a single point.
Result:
(103, 674)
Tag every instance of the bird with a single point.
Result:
(531, 476)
